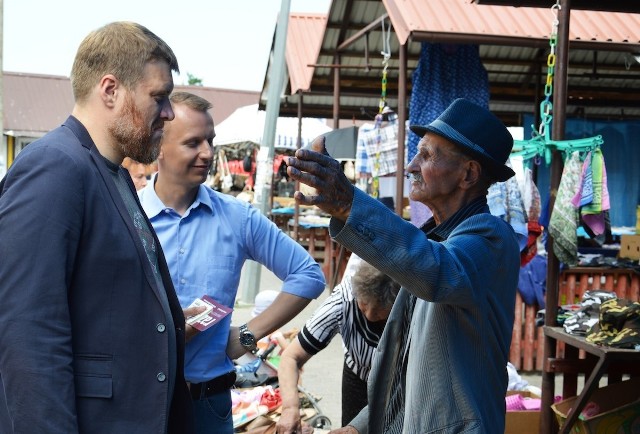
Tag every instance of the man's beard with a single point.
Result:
(133, 136)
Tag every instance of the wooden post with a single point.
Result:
(553, 265)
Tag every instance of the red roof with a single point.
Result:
(304, 37)
(603, 81)
(463, 18)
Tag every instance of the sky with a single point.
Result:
(224, 43)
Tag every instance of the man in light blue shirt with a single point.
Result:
(206, 237)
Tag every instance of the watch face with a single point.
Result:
(247, 339)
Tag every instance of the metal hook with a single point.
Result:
(386, 45)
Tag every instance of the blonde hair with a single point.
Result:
(119, 48)
(191, 100)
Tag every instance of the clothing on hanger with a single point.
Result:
(378, 143)
(563, 224)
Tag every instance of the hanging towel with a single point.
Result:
(564, 217)
(593, 214)
(595, 206)
(584, 195)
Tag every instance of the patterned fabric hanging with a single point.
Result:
(445, 72)
(564, 217)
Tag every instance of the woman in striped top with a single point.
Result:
(358, 309)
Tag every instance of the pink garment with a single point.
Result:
(588, 189)
(597, 221)
(517, 402)
(590, 410)
(514, 402)
(532, 404)
(585, 184)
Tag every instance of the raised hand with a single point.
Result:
(314, 167)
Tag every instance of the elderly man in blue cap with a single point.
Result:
(440, 364)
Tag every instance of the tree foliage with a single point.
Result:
(192, 80)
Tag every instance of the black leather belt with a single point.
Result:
(213, 386)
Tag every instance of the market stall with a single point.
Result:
(238, 139)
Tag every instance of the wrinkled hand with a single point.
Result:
(234, 349)
(190, 331)
(315, 168)
(289, 421)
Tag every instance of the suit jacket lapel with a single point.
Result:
(98, 160)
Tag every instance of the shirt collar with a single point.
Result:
(153, 205)
(442, 231)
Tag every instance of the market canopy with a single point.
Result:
(243, 130)
(513, 43)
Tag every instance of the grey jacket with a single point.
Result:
(459, 295)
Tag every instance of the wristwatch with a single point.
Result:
(247, 339)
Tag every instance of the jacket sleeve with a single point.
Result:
(444, 272)
(361, 421)
(40, 223)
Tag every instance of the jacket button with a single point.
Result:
(161, 377)
(161, 328)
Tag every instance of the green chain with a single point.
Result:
(375, 182)
(546, 105)
(386, 55)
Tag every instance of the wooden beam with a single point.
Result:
(365, 30)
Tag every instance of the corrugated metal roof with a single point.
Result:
(34, 104)
(503, 22)
(603, 77)
(592, 5)
(304, 37)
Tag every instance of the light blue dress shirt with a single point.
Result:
(206, 249)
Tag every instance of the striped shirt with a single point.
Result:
(339, 313)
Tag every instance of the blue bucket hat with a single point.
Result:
(478, 132)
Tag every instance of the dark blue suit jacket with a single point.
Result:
(83, 342)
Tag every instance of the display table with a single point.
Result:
(599, 360)
(313, 233)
